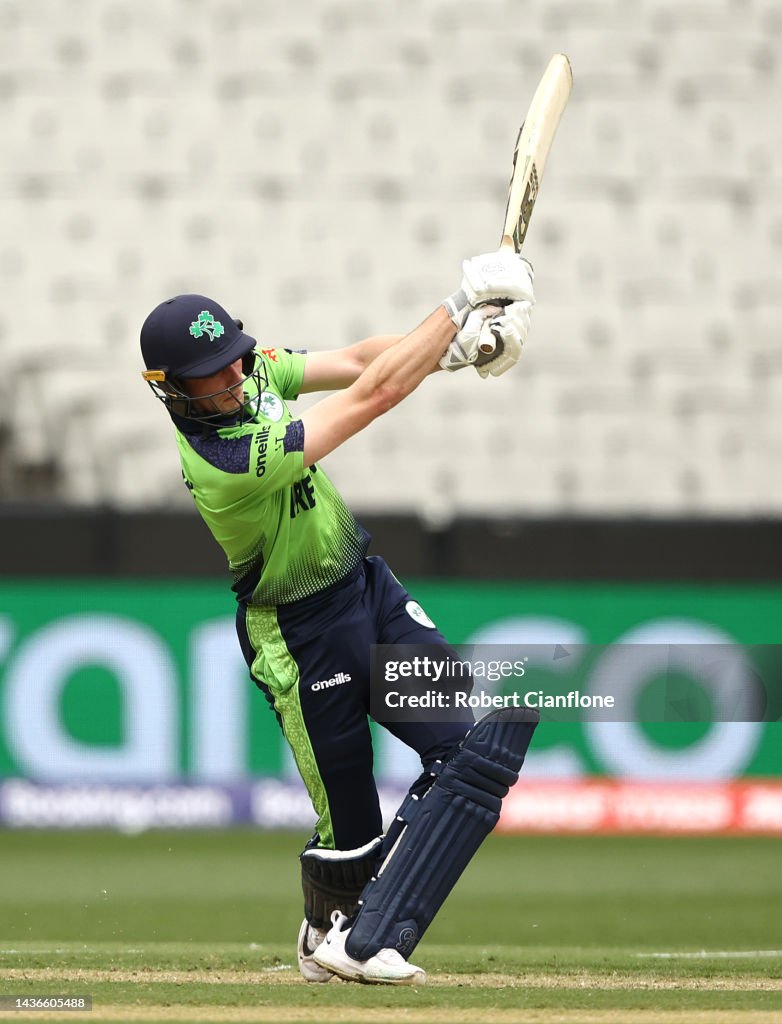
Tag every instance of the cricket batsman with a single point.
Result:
(311, 603)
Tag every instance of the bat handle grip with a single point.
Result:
(488, 342)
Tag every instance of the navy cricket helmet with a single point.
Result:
(193, 336)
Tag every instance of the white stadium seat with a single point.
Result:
(324, 175)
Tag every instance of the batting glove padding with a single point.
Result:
(463, 350)
(503, 275)
(509, 330)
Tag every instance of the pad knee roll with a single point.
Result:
(333, 880)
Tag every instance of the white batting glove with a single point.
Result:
(509, 331)
(463, 350)
(501, 276)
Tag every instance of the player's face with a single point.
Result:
(224, 388)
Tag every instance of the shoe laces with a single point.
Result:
(338, 920)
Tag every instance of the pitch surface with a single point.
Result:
(201, 926)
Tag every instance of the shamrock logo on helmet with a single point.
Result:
(206, 324)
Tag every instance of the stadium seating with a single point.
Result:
(322, 168)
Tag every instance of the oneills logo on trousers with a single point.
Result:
(337, 680)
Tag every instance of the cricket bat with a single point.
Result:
(529, 158)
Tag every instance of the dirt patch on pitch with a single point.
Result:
(283, 976)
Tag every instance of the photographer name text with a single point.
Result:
(463, 699)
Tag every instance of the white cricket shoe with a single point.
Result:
(309, 940)
(387, 967)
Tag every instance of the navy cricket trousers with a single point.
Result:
(293, 648)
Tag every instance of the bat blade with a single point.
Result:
(533, 144)
(532, 148)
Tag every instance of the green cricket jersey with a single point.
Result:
(283, 526)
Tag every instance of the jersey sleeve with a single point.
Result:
(285, 369)
(222, 470)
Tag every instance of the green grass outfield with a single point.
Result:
(181, 926)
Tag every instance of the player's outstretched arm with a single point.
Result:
(398, 371)
(388, 379)
(339, 368)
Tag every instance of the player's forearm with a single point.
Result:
(330, 371)
(367, 351)
(398, 370)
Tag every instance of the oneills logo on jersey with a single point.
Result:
(337, 680)
(271, 407)
(206, 324)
